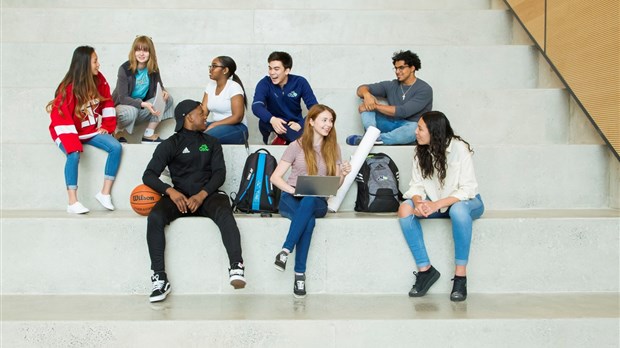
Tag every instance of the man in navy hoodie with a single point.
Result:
(277, 101)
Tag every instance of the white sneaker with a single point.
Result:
(105, 200)
(77, 208)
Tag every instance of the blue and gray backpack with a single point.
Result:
(377, 185)
(256, 192)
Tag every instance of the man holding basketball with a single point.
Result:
(196, 164)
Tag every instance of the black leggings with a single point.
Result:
(216, 207)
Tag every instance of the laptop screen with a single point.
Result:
(314, 185)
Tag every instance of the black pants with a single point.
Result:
(216, 207)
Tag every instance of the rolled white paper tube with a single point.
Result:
(358, 158)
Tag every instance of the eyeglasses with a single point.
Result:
(211, 67)
(400, 68)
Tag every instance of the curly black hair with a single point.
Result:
(409, 57)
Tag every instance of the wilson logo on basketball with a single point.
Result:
(143, 199)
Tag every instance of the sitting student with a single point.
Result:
(225, 100)
(82, 112)
(197, 169)
(408, 97)
(135, 90)
(277, 101)
(315, 153)
(443, 185)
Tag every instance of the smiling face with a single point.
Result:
(403, 71)
(94, 63)
(142, 55)
(197, 119)
(323, 123)
(277, 73)
(421, 133)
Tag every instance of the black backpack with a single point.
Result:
(256, 192)
(377, 185)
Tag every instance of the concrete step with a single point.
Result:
(51, 252)
(325, 66)
(509, 176)
(262, 4)
(514, 116)
(264, 26)
(553, 320)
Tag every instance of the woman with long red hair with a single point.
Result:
(316, 152)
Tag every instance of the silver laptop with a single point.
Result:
(319, 186)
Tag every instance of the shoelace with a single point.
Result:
(301, 284)
(236, 271)
(158, 285)
(283, 257)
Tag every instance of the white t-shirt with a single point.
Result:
(219, 105)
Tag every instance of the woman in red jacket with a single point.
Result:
(82, 112)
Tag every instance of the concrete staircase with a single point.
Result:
(544, 268)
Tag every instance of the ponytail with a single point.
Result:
(245, 97)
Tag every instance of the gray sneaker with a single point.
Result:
(299, 288)
(280, 263)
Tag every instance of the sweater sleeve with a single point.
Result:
(378, 89)
(259, 104)
(467, 184)
(108, 111)
(308, 95)
(218, 169)
(62, 127)
(416, 185)
(123, 88)
(161, 157)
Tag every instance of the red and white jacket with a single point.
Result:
(68, 129)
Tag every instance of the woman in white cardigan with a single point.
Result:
(443, 185)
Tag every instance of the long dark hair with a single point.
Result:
(432, 157)
(229, 63)
(80, 75)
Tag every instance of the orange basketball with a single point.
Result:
(143, 199)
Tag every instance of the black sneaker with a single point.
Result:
(299, 289)
(423, 282)
(236, 275)
(161, 287)
(280, 263)
(459, 289)
(155, 141)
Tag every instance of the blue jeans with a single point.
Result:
(105, 142)
(302, 211)
(229, 133)
(462, 215)
(394, 131)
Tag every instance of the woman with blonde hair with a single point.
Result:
(316, 152)
(135, 92)
(82, 112)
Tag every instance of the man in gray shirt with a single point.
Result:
(408, 98)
